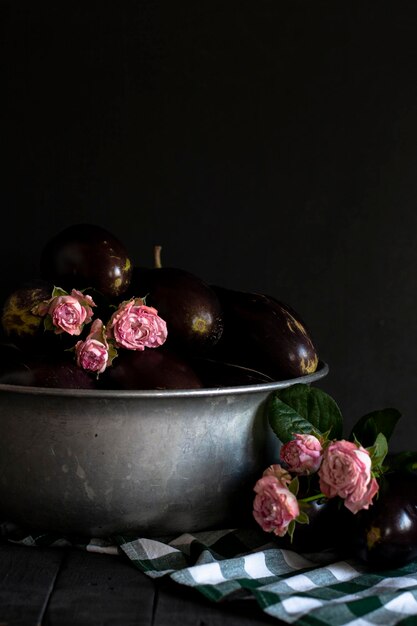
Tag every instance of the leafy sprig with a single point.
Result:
(302, 408)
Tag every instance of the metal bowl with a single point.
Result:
(156, 463)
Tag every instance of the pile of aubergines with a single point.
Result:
(216, 336)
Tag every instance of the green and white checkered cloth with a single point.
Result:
(243, 563)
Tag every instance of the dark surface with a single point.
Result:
(265, 145)
(72, 587)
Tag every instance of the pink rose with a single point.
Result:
(279, 472)
(274, 506)
(302, 454)
(346, 472)
(136, 326)
(356, 503)
(67, 313)
(93, 353)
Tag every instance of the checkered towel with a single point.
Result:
(313, 590)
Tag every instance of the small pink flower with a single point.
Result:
(136, 326)
(346, 472)
(93, 353)
(279, 472)
(302, 454)
(66, 313)
(274, 507)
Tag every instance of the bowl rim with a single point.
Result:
(321, 371)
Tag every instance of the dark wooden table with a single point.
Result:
(72, 587)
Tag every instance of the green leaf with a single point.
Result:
(302, 518)
(285, 421)
(290, 529)
(113, 353)
(370, 425)
(303, 409)
(294, 486)
(378, 451)
(48, 324)
(58, 291)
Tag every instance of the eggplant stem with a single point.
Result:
(157, 256)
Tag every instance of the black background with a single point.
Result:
(266, 145)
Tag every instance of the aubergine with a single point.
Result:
(262, 333)
(214, 373)
(52, 371)
(328, 526)
(19, 325)
(87, 256)
(385, 535)
(12, 358)
(149, 369)
(325, 530)
(189, 306)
